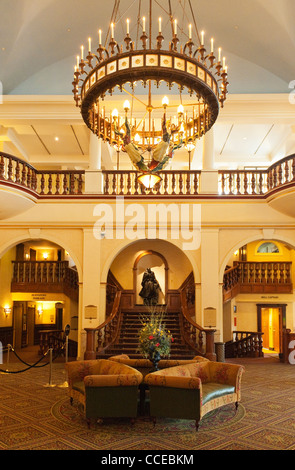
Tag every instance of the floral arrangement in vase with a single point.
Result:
(154, 340)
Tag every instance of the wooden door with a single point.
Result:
(270, 322)
(265, 327)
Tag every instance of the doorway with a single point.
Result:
(271, 321)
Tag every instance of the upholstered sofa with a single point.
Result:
(145, 365)
(106, 389)
(192, 390)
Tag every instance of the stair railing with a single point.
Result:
(200, 339)
(245, 344)
(102, 337)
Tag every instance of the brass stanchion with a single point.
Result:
(50, 384)
(67, 332)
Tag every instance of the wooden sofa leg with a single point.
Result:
(237, 405)
(197, 425)
(71, 400)
(154, 421)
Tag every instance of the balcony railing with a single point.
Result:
(247, 277)
(44, 276)
(231, 183)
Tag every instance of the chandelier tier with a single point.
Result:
(199, 75)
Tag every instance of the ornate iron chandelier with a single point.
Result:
(199, 75)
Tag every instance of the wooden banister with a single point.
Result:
(200, 339)
(245, 344)
(102, 337)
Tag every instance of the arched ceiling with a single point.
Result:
(40, 39)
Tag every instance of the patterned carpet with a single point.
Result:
(35, 416)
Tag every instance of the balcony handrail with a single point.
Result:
(194, 334)
(232, 183)
(103, 336)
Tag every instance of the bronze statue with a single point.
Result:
(150, 288)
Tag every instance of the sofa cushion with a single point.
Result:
(79, 387)
(213, 390)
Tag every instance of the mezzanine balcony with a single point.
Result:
(275, 184)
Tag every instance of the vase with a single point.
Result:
(155, 358)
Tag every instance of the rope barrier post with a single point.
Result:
(67, 332)
(50, 384)
(9, 347)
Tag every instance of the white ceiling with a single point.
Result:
(39, 41)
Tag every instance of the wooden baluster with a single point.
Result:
(10, 169)
(29, 178)
(57, 184)
(39, 273)
(288, 273)
(263, 280)
(260, 183)
(230, 183)
(293, 169)
(72, 183)
(257, 278)
(245, 183)
(49, 184)
(65, 184)
(166, 183)
(238, 183)
(135, 184)
(251, 266)
(180, 181)
(270, 180)
(106, 185)
(42, 184)
(80, 183)
(286, 176)
(173, 183)
(222, 183)
(2, 168)
(196, 183)
(21, 272)
(275, 178)
(281, 273)
(280, 175)
(17, 172)
(188, 183)
(34, 180)
(114, 183)
(269, 272)
(121, 184)
(253, 183)
(275, 273)
(128, 183)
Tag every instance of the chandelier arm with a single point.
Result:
(195, 23)
(171, 17)
(133, 96)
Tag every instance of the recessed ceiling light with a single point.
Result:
(56, 138)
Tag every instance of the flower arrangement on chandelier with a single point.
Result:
(154, 339)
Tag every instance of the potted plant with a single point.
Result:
(154, 340)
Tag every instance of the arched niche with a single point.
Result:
(158, 264)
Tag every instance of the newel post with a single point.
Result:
(210, 348)
(90, 344)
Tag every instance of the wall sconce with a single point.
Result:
(40, 310)
(45, 256)
(7, 311)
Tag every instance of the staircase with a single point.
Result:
(127, 341)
